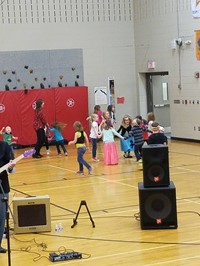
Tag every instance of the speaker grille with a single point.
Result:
(33, 215)
(158, 206)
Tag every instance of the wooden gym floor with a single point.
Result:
(111, 194)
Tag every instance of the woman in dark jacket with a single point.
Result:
(4, 187)
(39, 126)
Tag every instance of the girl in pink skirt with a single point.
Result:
(110, 147)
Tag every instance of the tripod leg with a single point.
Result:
(75, 219)
(93, 225)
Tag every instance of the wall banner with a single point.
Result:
(195, 6)
(101, 96)
(197, 42)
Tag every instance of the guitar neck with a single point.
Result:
(5, 167)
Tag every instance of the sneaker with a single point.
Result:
(139, 161)
(90, 170)
(125, 156)
(5, 232)
(59, 155)
(47, 152)
(66, 153)
(36, 156)
(95, 159)
(129, 156)
(80, 173)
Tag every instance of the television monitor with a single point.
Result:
(31, 214)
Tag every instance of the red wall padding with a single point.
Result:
(66, 105)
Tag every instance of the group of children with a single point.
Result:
(139, 131)
(133, 133)
(55, 128)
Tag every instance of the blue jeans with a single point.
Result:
(94, 147)
(61, 144)
(2, 216)
(138, 151)
(80, 152)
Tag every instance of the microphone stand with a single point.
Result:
(5, 200)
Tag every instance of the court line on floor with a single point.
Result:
(102, 178)
(61, 168)
(172, 261)
(189, 170)
(117, 182)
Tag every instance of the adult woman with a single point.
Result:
(5, 187)
(39, 126)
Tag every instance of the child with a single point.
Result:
(110, 147)
(94, 136)
(111, 110)
(136, 132)
(124, 130)
(156, 137)
(97, 110)
(81, 141)
(151, 119)
(56, 128)
(144, 124)
(105, 118)
(7, 137)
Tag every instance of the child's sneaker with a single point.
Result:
(66, 153)
(90, 170)
(80, 173)
(95, 159)
(59, 154)
(48, 152)
(5, 233)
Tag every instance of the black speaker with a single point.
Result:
(155, 165)
(157, 207)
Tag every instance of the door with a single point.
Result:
(158, 98)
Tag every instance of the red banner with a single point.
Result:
(66, 105)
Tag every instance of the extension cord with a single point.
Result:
(64, 256)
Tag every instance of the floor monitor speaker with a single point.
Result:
(157, 207)
(155, 165)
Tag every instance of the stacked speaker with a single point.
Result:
(157, 194)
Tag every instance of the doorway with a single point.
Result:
(154, 93)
